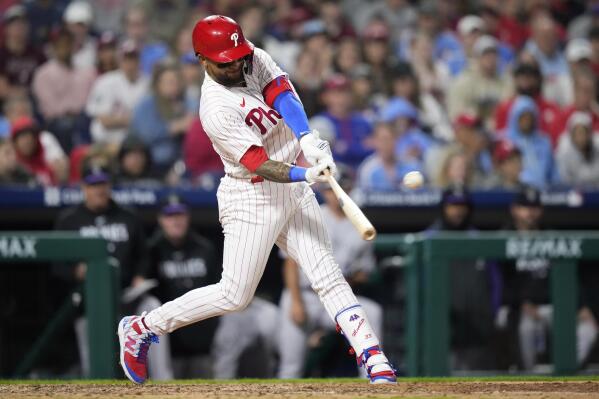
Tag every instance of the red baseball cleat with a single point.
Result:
(135, 340)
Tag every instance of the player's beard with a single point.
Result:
(233, 79)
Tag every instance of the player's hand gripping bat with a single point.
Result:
(351, 210)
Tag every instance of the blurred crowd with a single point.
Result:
(487, 94)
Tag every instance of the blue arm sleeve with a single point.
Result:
(293, 112)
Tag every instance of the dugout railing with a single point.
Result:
(428, 259)
(100, 291)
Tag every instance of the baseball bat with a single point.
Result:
(351, 210)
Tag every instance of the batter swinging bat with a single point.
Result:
(351, 210)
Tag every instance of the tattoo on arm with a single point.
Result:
(274, 171)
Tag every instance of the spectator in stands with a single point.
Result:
(400, 15)
(181, 260)
(307, 79)
(508, 167)
(115, 95)
(505, 23)
(61, 91)
(526, 289)
(329, 12)
(412, 144)
(577, 154)
(382, 171)
(528, 81)
(471, 306)
(378, 54)
(432, 74)
(100, 216)
(161, 119)
(165, 18)
(301, 313)
(585, 100)
(480, 88)
(78, 18)
(109, 15)
(537, 156)
(198, 153)
(433, 117)
(347, 56)
(455, 169)
(135, 164)
(578, 53)
(544, 46)
(39, 152)
(137, 29)
(366, 101)
(44, 17)
(107, 59)
(351, 129)
(253, 19)
(193, 77)
(10, 170)
(19, 57)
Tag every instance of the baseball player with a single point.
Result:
(258, 126)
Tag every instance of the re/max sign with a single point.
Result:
(543, 248)
(18, 247)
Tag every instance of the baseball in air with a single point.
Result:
(413, 179)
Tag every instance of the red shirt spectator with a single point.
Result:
(198, 153)
(25, 135)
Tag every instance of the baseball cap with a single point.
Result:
(580, 118)
(528, 196)
(337, 82)
(78, 12)
(173, 205)
(578, 49)
(16, 11)
(504, 150)
(376, 30)
(22, 125)
(313, 27)
(466, 119)
(95, 174)
(107, 39)
(469, 24)
(398, 108)
(129, 48)
(484, 44)
(456, 194)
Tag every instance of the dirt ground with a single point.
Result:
(314, 390)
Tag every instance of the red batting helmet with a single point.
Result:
(220, 39)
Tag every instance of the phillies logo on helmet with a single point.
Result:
(235, 37)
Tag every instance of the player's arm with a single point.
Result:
(256, 161)
(279, 94)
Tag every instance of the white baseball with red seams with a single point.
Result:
(257, 216)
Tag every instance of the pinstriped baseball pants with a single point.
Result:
(254, 218)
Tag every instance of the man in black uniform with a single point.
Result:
(100, 216)
(181, 260)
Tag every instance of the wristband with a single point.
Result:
(297, 173)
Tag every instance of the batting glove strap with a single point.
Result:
(315, 174)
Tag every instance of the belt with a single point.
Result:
(253, 179)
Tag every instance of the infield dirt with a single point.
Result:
(314, 390)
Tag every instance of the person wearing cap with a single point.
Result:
(507, 159)
(469, 29)
(577, 154)
(302, 316)
(471, 307)
(38, 152)
(107, 59)
(61, 91)
(411, 143)
(78, 18)
(479, 88)
(100, 216)
(114, 95)
(585, 100)
(19, 57)
(526, 289)
(528, 81)
(11, 172)
(181, 260)
(383, 170)
(351, 129)
(135, 165)
(433, 74)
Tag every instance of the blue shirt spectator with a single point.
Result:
(382, 171)
(412, 143)
(537, 156)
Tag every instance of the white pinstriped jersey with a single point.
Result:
(236, 118)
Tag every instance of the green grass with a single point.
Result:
(321, 380)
